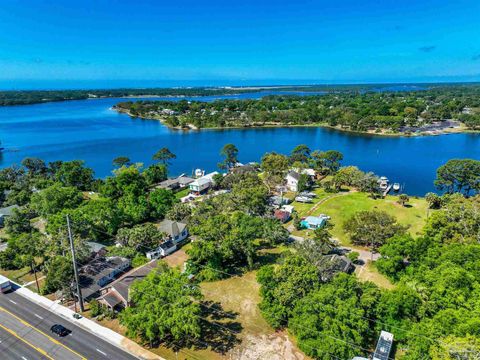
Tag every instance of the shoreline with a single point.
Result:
(382, 133)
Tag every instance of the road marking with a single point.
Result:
(13, 302)
(41, 332)
(38, 316)
(101, 352)
(41, 351)
(24, 358)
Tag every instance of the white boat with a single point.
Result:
(383, 182)
(396, 186)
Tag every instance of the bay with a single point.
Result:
(91, 131)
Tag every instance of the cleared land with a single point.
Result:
(341, 206)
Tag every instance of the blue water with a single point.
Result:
(89, 130)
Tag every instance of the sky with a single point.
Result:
(55, 43)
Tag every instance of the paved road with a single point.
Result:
(25, 335)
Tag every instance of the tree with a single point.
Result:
(19, 222)
(160, 200)
(301, 154)
(456, 348)
(372, 228)
(274, 232)
(121, 161)
(164, 306)
(275, 167)
(35, 166)
(327, 161)
(459, 175)
(434, 200)
(179, 212)
(230, 152)
(164, 155)
(155, 173)
(59, 275)
(283, 286)
(140, 237)
(336, 310)
(403, 199)
(56, 198)
(73, 173)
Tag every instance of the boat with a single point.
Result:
(383, 182)
(396, 187)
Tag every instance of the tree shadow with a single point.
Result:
(220, 330)
(267, 258)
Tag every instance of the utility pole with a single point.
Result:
(34, 268)
(75, 271)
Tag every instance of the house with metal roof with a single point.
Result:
(315, 222)
(99, 272)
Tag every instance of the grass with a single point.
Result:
(369, 272)
(342, 207)
(22, 276)
(182, 193)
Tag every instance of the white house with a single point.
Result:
(292, 180)
(163, 250)
(203, 183)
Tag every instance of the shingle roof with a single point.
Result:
(172, 228)
(294, 175)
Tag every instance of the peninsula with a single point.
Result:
(438, 109)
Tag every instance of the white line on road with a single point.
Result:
(13, 302)
(38, 316)
(24, 358)
(101, 352)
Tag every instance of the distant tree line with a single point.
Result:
(347, 109)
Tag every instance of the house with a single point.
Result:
(116, 294)
(315, 222)
(293, 179)
(288, 208)
(203, 183)
(176, 183)
(96, 249)
(278, 200)
(384, 346)
(176, 231)
(99, 272)
(310, 173)
(333, 264)
(6, 212)
(163, 250)
(282, 215)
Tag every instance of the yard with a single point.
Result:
(344, 205)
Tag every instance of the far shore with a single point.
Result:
(381, 132)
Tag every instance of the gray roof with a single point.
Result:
(8, 211)
(94, 246)
(185, 180)
(294, 174)
(167, 245)
(95, 270)
(172, 228)
(122, 284)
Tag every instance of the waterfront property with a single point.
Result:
(202, 184)
(292, 179)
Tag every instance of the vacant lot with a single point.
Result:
(341, 207)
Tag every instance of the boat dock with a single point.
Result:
(387, 190)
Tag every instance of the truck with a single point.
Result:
(5, 284)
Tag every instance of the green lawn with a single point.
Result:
(303, 208)
(341, 207)
(182, 193)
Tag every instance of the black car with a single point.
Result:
(60, 330)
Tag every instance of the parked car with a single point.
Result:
(60, 330)
(303, 199)
(308, 194)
